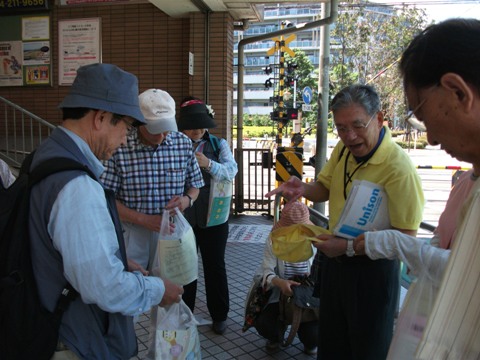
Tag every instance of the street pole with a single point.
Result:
(323, 90)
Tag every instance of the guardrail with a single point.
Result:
(257, 180)
(20, 132)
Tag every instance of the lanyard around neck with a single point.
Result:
(347, 177)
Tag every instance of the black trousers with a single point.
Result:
(358, 303)
(268, 326)
(211, 242)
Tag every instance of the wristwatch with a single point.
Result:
(350, 250)
(209, 166)
(191, 200)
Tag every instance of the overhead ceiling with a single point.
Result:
(240, 10)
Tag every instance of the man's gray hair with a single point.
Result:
(363, 95)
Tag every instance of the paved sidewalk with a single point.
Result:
(242, 260)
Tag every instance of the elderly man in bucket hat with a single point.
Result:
(75, 233)
(155, 170)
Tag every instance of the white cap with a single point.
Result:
(158, 109)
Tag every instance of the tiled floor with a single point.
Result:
(242, 259)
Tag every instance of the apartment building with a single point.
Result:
(256, 96)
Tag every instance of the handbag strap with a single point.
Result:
(297, 319)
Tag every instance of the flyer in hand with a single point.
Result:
(366, 209)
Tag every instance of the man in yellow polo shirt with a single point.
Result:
(359, 295)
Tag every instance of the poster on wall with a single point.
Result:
(36, 52)
(11, 63)
(36, 62)
(78, 45)
(35, 28)
(37, 74)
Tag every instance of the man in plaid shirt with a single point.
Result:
(156, 170)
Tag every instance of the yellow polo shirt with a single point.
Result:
(390, 167)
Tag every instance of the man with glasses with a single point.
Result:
(75, 232)
(359, 296)
(442, 84)
(155, 170)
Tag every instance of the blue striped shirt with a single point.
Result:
(145, 178)
(226, 168)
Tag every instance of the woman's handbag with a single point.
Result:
(219, 202)
(301, 307)
(257, 300)
(176, 258)
(173, 333)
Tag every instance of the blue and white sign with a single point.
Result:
(307, 95)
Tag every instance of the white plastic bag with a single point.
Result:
(173, 334)
(181, 225)
(176, 258)
(413, 318)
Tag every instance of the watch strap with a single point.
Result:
(350, 250)
(191, 200)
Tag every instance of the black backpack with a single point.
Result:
(27, 329)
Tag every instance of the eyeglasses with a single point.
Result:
(409, 115)
(130, 128)
(356, 128)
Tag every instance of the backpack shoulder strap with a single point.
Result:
(43, 170)
(54, 165)
(215, 142)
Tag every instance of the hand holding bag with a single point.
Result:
(173, 333)
(176, 258)
(301, 307)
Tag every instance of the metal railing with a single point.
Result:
(20, 132)
(257, 180)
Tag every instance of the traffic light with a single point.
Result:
(268, 69)
(268, 83)
(291, 67)
(275, 116)
(292, 114)
(290, 80)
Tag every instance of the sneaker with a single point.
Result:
(219, 327)
(310, 351)
(272, 345)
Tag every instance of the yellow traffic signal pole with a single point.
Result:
(288, 161)
(325, 20)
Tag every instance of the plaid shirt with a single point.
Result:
(145, 178)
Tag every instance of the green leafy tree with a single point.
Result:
(366, 44)
(306, 75)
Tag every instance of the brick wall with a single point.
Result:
(143, 40)
(211, 42)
